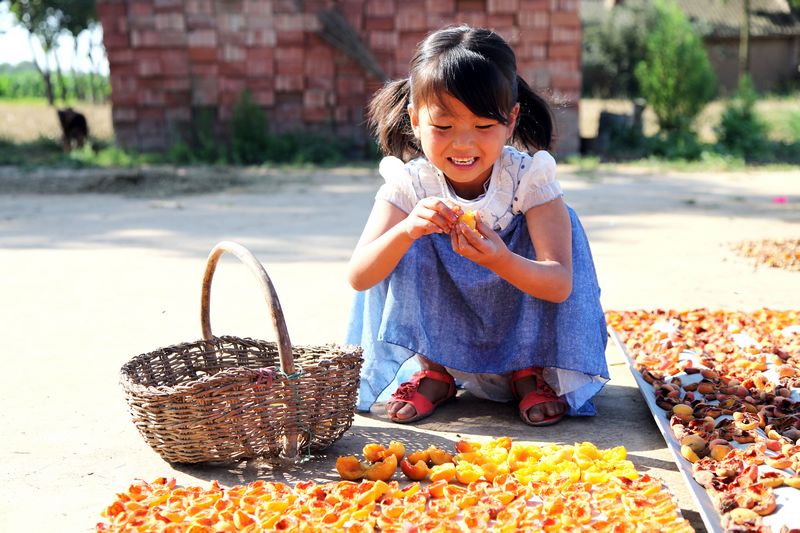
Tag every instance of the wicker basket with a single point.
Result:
(230, 398)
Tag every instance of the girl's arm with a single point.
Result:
(549, 276)
(388, 235)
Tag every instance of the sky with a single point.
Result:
(14, 46)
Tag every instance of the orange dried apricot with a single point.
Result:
(463, 446)
(382, 470)
(468, 218)
(350, 468)
(445, 471)
(396, 448)
(373, 452)
(439, 456)
(415, 472)
(466, 472)
(419, 455)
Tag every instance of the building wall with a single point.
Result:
(174, 60)
(774, 62)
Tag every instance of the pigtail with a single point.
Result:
(535, 124)
(387, 117)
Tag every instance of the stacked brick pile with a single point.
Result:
(171, 59)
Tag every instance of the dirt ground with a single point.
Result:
(25, 122)
(91, 280)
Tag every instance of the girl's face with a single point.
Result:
(461, 144)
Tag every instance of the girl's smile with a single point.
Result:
(464, 146)
(464, 162)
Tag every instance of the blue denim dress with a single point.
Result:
(463, 316)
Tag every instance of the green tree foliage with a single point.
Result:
(79, 15)
(46, 20)
(676, 77)
(612, 47)
(76, 15)
(42, 21)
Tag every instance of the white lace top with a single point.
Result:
(518, 182)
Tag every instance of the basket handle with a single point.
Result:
(267, 289)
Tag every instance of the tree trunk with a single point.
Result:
(61, 84)
(44, 72)
(80, 92)
(744, 41)
(92, 82)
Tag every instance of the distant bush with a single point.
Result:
(249, 142)
(310, 148)
(676, 145)
(785, 152)
(204, 145)
(248, 131)
(741, 131)
(676, 77)
(794, 126)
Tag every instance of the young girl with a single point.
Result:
(509, 310)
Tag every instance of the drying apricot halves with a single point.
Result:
(374, 452)
(415, 472)
(382, 470)
(350, 468)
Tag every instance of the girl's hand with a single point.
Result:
(486, 248)
(430, 215)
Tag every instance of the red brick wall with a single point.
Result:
(169, 58)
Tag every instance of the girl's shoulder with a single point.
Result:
(533, 177)
(407, 183)
(540, 163)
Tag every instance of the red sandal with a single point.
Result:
(408, 393)
(541, 394)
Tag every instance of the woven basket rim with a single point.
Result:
(203, 382)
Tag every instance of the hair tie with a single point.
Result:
(261, 375)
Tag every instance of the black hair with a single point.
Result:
(475, 66)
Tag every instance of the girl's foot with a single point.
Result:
(539, 405)
(419, 397)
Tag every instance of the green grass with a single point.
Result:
(26, 101)
(46, 152)
(41, 152)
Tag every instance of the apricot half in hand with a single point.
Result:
(468, 218)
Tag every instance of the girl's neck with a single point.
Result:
(469, 191)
